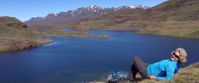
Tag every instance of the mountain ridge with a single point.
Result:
(75, 16)
(172, 18)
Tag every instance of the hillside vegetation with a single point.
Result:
(173, 17)
(15, 35)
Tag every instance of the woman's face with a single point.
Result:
(175, 55)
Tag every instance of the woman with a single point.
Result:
(162, 70)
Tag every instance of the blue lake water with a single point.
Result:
(75, 60)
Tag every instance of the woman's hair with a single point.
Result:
(183, 55)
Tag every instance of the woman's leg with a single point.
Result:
(133, 71)
(139, 66)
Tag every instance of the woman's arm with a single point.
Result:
(169, 73)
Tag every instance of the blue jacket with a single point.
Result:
(163, 70)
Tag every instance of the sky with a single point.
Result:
(26, 9)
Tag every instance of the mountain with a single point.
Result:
(12, 22)
(73, 17)
(178, 10)
(16, 35)
(171, 10)
(174, 18)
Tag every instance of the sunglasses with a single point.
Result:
(176, 55)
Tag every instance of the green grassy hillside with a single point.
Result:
(15, 35)
(173, 17)
(180, 10)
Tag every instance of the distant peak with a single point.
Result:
(92, 6)
(138, 6)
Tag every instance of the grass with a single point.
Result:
(15, 35)
(188, 29)
(78, 34)
(68, 34)
(172, 18)
(188, 74)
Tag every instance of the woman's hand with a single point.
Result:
(152, 77)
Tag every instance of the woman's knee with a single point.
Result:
(135, 59)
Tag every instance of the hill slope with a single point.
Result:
(15, 35)
(180, 10)
(173, 17)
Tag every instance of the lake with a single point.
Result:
(75, 60)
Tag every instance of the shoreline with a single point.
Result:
(139, 32)
(167, 35)
(9, 45)
(31, 43)
(156, 34)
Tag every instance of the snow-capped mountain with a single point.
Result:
(79, 14)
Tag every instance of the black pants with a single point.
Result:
(139, 66)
